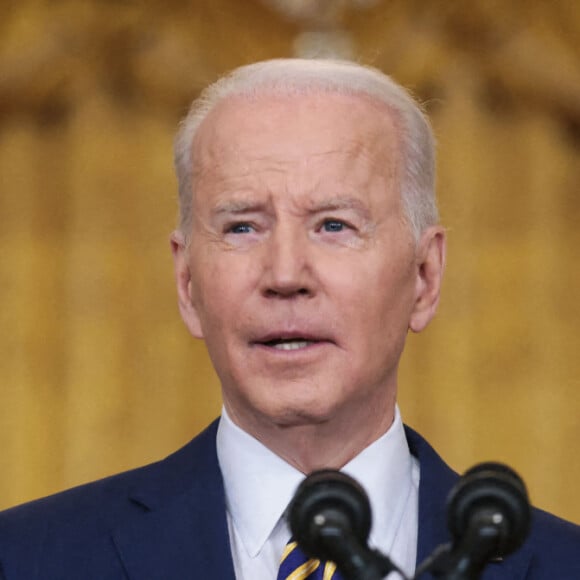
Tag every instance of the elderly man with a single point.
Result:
(308, 247)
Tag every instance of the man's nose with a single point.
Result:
(288, 265)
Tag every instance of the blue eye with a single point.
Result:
(241, 228)
(333, 226)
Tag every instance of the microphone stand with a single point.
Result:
(464, 561)
(357, 561)
(360, 563)
(354, 559)
(467, 559)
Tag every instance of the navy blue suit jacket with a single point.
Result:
(167, 521)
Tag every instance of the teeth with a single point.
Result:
(291, 345)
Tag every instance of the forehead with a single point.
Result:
(290, 128)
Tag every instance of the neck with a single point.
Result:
(309, 444)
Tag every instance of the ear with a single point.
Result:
(185, 297)
(430, 266)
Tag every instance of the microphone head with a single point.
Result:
(327, 503)
(494, 487)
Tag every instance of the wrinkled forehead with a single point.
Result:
(292, 127)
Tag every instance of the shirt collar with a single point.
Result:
(385, 471)
(259, 484)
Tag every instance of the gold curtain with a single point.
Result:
(97, 373)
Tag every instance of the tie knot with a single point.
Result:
(295, 565)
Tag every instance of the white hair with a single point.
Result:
(304, 76)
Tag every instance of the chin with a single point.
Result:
(296, 415)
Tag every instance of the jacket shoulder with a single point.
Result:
(98, 498)
(81, 519)
(79, 516)
(556, 547)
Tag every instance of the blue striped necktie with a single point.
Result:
(295, 565)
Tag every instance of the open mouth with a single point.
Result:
(289, 343)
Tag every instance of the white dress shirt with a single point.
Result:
(259, 486)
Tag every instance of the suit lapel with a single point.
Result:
(436, 482)
(177, 541)
(181, 528)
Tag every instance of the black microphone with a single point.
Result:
(488, 515)
(330, 518)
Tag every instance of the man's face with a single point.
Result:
(301, 273)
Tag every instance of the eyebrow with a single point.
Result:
(340, 202)
(241, 206)
(238, 206)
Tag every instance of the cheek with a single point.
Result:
(381, 300)
(220, 289)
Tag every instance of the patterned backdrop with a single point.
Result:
(97, 373)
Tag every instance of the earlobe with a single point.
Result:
(185, 292)
(430, 267)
